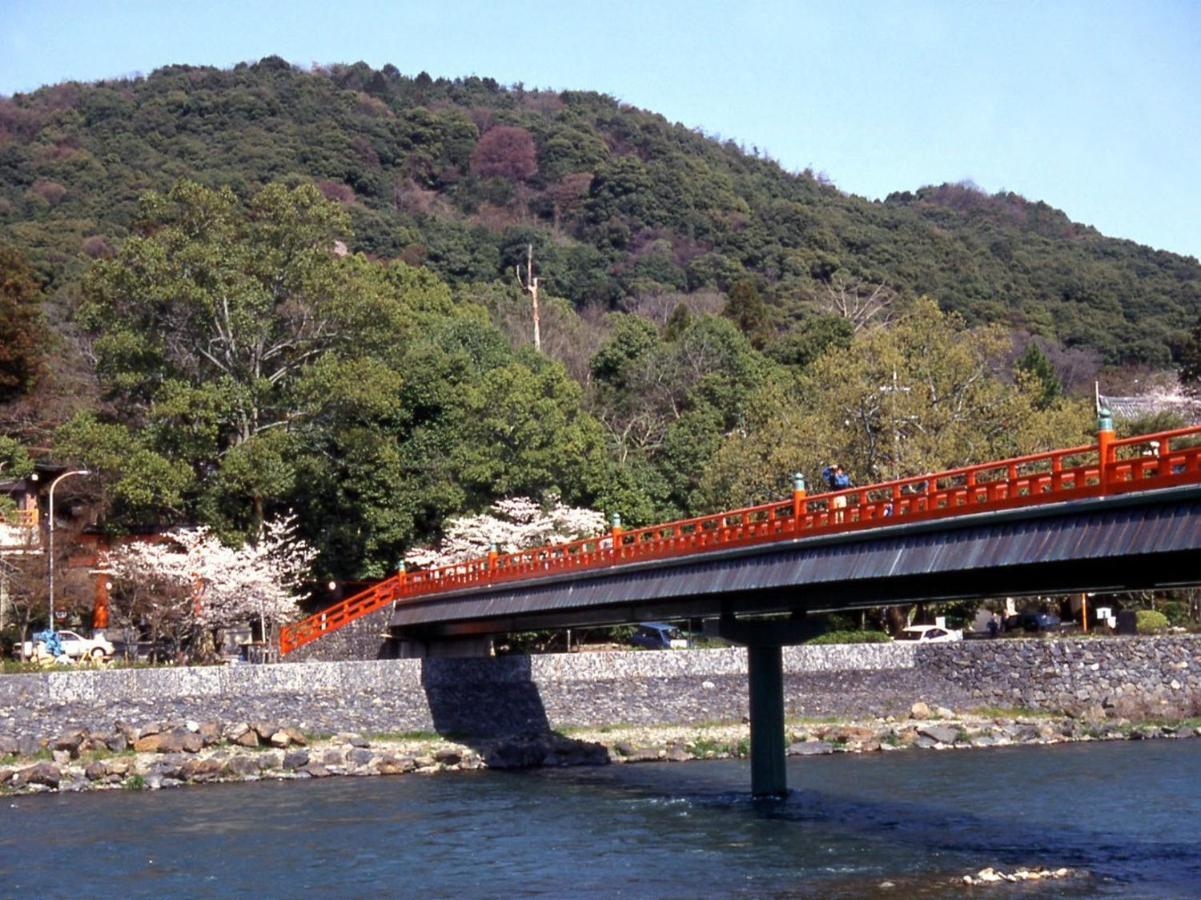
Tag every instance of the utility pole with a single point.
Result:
(529, 284)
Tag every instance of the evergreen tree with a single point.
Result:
(1035, 365)
(746, 309)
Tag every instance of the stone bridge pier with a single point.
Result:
(764, 640)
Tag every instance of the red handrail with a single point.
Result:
(1130, 464)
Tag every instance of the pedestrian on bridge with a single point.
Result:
(838, 480)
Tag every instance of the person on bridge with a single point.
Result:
(838, 480)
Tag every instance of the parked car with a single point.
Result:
(930, 634)
(74, 646)
(659, 636)
(1033, 621)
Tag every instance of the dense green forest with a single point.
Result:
(460, 175)
(235, 292)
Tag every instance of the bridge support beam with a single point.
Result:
(765, 672)
(764, 642)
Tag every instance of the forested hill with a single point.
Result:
(619, 203)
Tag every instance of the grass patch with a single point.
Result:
(1014, 712)
(134, 783)
(817, 720)
(851, 637)
(17, 667)
(457, 737)
(705, 746)
(569, 730)
(103, 753)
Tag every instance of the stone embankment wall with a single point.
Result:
(364, 638)
(515, 694)
(1135, 676)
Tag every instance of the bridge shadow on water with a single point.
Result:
(493, 706)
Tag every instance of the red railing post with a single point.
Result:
(493, 555)
(798, 499)
(615, 534)
(1105, 438)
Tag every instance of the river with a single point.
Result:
(1129, 812)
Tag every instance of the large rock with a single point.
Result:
(280, 739)
(529, 751)
(8, 745)
(297, 759)
(44, 773)
(392, 765)
(919, 710)
(179, 740)
(265, 729)
(201, 769)
(210, 733)
(242, 765)
(296, 735)
(810, 748)
(69, 743)
(247, 738)
(943, 734)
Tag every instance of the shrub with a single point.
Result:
(1151, 621)
(850, 637)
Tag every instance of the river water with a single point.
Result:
(1129, 812)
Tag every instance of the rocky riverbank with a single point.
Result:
(172, 754)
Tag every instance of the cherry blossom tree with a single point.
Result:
(509, 525)
(517, 523)
(191, 581)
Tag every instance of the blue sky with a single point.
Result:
(1094, 107)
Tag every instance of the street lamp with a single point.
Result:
(53, 485)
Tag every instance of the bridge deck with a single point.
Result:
(753, 556)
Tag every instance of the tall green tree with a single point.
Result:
(205, 320)
(920, 395)
(1035, 366)
(746, 309)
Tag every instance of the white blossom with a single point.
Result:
(516, 523)
(223, 585)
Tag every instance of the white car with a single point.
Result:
(930, 634)
(74, 646)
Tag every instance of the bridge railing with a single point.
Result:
(1163, 459)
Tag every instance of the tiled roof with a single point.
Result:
(1188, 408)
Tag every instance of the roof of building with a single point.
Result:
(1181, 404)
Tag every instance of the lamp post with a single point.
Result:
(53, 485)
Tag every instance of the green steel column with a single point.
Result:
(765, 671)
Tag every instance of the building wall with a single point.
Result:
(1145, 675)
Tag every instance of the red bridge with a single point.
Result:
(1114, 515)
(1109, 468)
